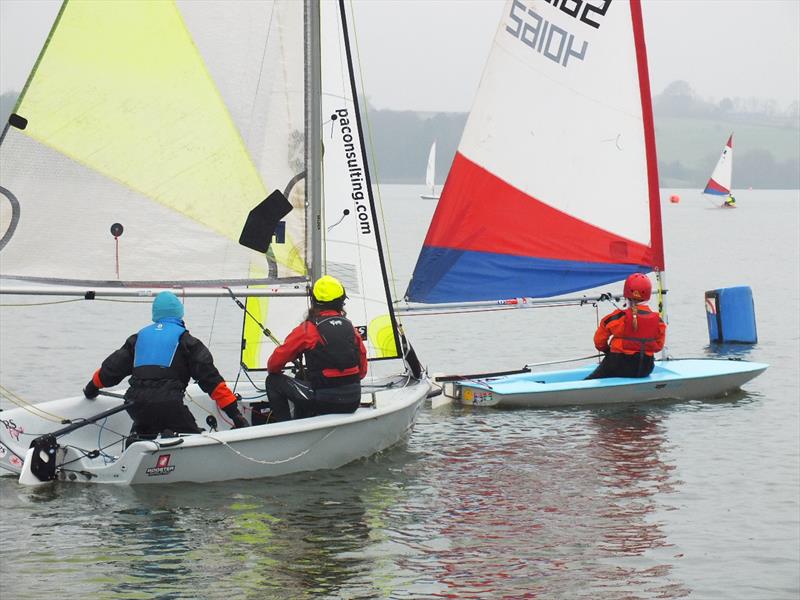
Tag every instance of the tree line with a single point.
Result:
(769, 156)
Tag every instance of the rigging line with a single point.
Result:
(388, 254)
(198, 405)
(75, 300)
(213, 320)
(425, 313)
(25, 405)
(244, 370)
(297, 362)
(268, 462)
(266, 331)
(565, 360)
(4, 305)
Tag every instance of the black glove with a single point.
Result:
(234, 415)
(91, 391)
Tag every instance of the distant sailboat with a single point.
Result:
(720, 182)
(430, 175)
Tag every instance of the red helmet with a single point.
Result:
(637, 287)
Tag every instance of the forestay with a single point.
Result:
(554, 186)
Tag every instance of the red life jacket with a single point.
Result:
(645, 337)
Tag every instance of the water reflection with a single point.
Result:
(550, 504)
(729, 350)
(305, 536)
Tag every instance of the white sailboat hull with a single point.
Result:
(678, 379)
(323, 442)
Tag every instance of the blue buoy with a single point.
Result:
(731, 315)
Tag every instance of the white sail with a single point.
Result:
(430, 174)
(350, 235)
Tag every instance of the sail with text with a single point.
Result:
(720, 182)
(554, 187)
(351, 242)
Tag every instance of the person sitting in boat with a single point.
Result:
(630, 337)
(335, 360)
(160, 359)
(730, 201)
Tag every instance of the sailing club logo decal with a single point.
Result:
(162, 466)
(355, 169)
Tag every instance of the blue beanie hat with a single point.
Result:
(166, 305)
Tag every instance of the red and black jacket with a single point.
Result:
(334, 352)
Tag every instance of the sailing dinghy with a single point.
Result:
(430, 175)
(554, 189)
(719, 184)
(195, 132)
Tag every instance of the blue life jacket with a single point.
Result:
(155, 349)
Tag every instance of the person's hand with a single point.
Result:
(91, 391)
(236, 416)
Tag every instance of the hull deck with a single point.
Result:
(680, 379)
(322, 442)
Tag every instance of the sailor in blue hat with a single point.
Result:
(160, 360)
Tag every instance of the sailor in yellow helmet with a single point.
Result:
(335, 359)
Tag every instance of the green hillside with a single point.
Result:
(690, 135)
(765, 155)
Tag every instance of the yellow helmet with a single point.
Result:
(328, 289)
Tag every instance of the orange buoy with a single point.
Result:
(674, 198)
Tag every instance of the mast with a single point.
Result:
(313, 137)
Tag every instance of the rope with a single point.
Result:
(25, 405)
(268, 462)
(53, 302)
(566, 360)
(464, 310)
(4, 305)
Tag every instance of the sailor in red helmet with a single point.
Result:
(630, 337)
(335, 360)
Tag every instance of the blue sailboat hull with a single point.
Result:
(678, 379)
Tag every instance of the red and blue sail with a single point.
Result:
(720, 182)
(554, 187)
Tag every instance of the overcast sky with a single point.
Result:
(428, 54)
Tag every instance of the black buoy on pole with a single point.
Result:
(116, 231)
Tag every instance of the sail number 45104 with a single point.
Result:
(548, 39)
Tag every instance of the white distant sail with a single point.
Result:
(430, 175)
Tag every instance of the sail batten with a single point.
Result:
(554, 186)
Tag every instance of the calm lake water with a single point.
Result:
(695, 500)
